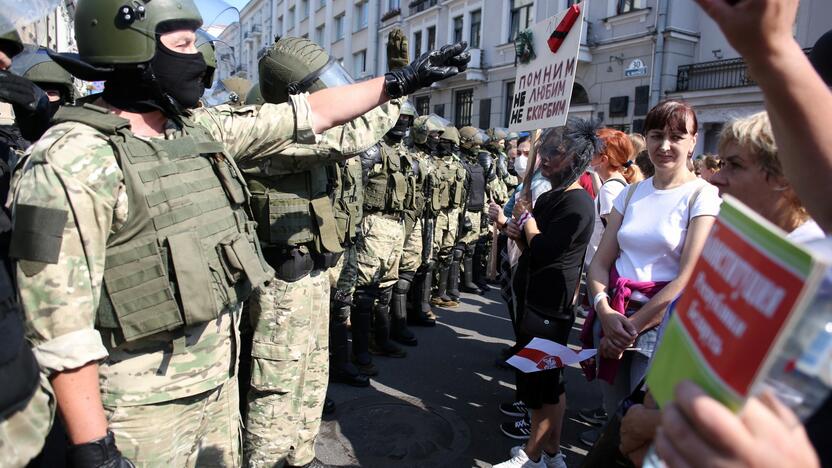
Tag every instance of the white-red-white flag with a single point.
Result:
(542, 354)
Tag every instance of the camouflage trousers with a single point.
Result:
(474, 218)
(23, 433)
(200, 430)
(412, 250)
(379, 251)
(445, 235)
(290, 371)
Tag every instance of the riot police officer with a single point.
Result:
(471, 143)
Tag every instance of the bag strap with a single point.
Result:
(598, 201)
(631, 190)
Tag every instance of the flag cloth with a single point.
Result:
(542, 354)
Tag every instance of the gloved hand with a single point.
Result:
(429, 68)
(30, 104)
(101, 453)
(397, 51)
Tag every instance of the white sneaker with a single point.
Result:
(521, 460)
(558, 461)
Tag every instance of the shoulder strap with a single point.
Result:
(630, 191)
(96, 117)
(693, 198)
(615, 180)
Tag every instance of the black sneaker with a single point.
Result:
(516, 409)
(595, 416)
(520, 429)
(590, 436)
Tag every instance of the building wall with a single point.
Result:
(659, 35)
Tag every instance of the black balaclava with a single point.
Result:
(432, 144)
(445, 148)
(171, 82)
(179, 75)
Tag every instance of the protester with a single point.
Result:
(652, 239)
(554, 237)
(706, 166)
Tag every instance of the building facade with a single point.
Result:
(633, 53)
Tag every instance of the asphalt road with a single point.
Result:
(438, 407)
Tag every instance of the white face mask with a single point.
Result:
(521, 163)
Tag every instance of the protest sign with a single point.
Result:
(543, 86)
(542, 354)
(748, 290)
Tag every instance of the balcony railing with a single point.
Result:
(421, 5)
(717, 74)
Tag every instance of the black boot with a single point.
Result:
(361, 319)
(420, 314)
(468, 273)
(480, 261)
(341, 370)
(398, 310)
(453, 276)
(381, 344)
(441, 298)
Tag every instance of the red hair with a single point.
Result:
(619, 150)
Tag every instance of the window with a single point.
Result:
(423, 105)
(421, 5)
(280, 25)
(319, 35)
(476, 21)
(339, 27)
(359, 63)
(458, 29)
(304, 9)
(291, 17)
(521, 17)
(321, 3)
(417, 44)
(626, 6)
(463, 104)
(393, 5)
(361, 15)
(509, 97)
(431, 38)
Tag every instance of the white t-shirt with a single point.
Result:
(806, 232)
(653, 232)
(603, 206)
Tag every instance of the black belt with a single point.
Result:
(293, 263)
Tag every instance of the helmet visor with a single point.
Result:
(20, 13)
(330, 75)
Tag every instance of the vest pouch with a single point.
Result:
(192, 273)
(232, 185)
(290, 221)
(398, 183)
(375, 191)
(327, 229)
(240, 260)
(458, 188)
(342, 222)
(138, 287)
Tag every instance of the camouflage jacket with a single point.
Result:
(73, 169)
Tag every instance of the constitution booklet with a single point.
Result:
(754, 312)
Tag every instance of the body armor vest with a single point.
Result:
(294, 210)
(476, 185)
(18, 368)
(349, 199)
(187, 250)
(386, 187)
(415, 201)
(452, 174)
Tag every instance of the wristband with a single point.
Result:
(598, 298)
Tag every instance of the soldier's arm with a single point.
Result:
(62, 207)
(281, 135)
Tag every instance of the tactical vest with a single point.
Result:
(386, 186)
(452, 174)
(415, 200)
(188, 249)
(19, 370)
(349, 199)
(294, 210)
(476, 186)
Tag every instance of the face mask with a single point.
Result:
(445, 148)
(179, 75)
(432, 144)
(398, 132)
(521, 163)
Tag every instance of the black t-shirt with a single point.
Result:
(554, 257)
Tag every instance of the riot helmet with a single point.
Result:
(406, 117)
(35, 65)
(254, 97)
(448, 141)
(294, 65)
(205, 46)
(425, 126)
(10, 43)
(467, 137)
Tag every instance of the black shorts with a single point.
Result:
(544, 387)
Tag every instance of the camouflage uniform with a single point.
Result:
(73, 170)
(22, 434)
(452, 174)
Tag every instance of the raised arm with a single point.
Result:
(798, 102)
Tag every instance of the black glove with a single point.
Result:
(30, 104)
(101, 453)
(427, 69)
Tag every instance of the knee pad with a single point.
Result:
(459, 251)
(406, 276)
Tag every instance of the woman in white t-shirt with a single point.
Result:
(654, 235)
(616, 168)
